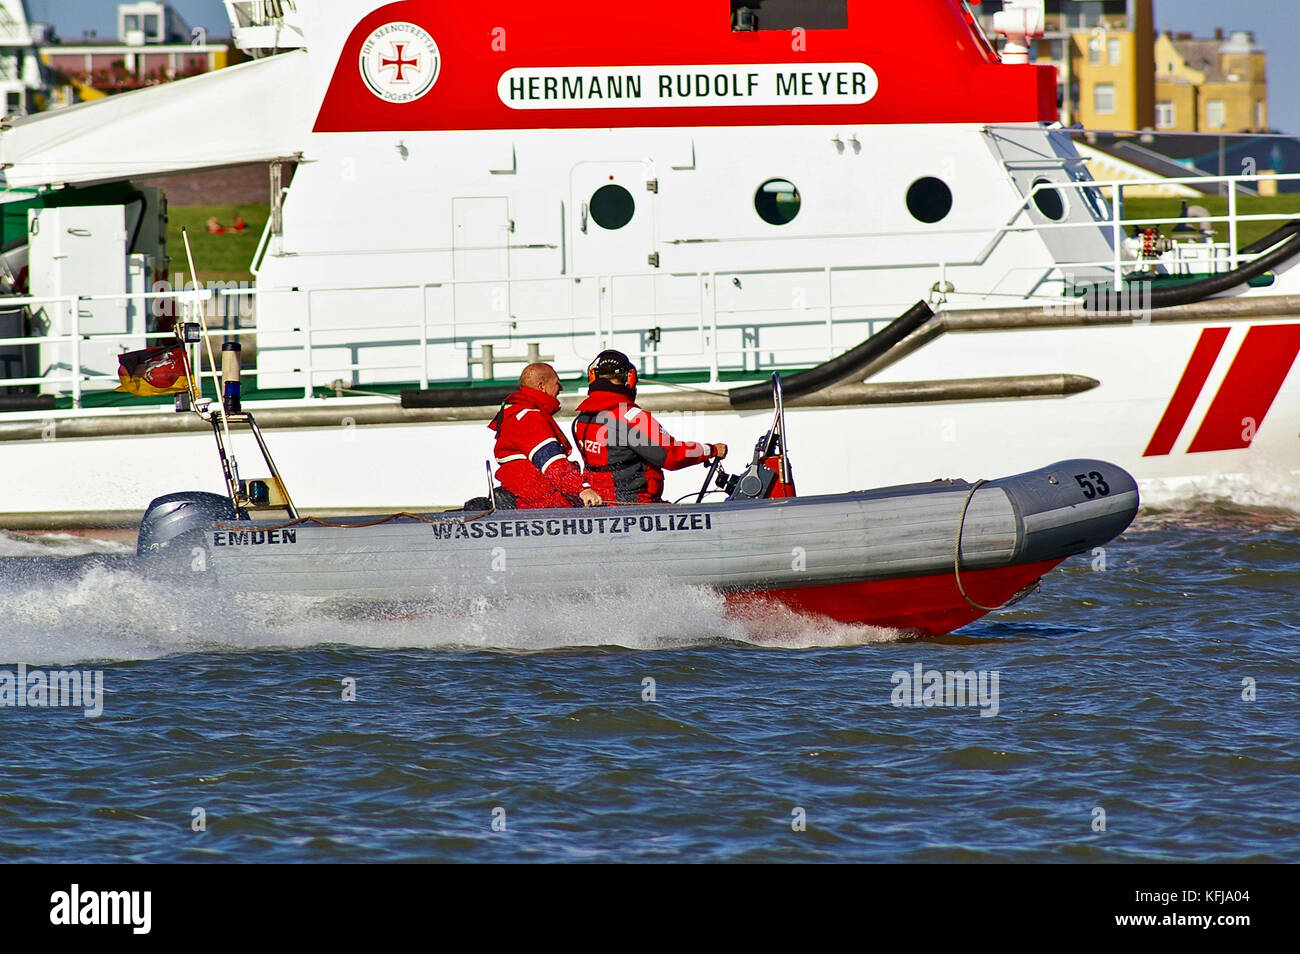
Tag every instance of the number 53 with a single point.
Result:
(1093, 484)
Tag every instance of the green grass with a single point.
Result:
(217, 257)
(1247, 232)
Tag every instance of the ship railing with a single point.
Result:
(1225, 254)
(265, 24)
(693, 329)
(68, 372)
(705, 322)
(708, 318)
(259, 13)
(598, 326)
(53, 308)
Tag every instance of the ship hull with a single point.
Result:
(1183, 422)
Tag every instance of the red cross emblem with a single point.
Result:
(400, 63)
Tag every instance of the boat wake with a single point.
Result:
(1264, 487)
(99, 608)
(59, 544)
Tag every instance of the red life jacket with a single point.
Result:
(625, 449)
(532, 452)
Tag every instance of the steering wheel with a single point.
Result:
(708, 479)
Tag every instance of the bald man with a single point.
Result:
(532, 452)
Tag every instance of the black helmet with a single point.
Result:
(612, 364)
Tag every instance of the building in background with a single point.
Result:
(1105, 58)
(150, 22)
(1211, 85)
(154, 45)
(1104, 54)
(1114, 72)
(24, 82)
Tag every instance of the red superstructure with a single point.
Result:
(928, 63)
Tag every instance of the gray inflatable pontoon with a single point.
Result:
(925, 558)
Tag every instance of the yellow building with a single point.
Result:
(1211, 85)
(1115, 73)
(1111, 66)
(1103, 54)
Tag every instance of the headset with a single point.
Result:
(612, 362)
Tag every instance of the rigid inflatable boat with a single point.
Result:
(924, 558)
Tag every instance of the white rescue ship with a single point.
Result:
(718, 190)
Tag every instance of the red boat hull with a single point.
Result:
(925, 605)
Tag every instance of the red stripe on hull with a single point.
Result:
(929, 605)
(1189, 387)
(1248, 389)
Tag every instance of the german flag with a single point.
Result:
(153, 371)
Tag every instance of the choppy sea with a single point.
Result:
(1144, 709)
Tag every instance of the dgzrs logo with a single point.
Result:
(400, 62)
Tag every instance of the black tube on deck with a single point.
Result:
(841, 367)
(1108, 300)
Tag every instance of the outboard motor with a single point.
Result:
(176, 516)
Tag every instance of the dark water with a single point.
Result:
(1120, 690)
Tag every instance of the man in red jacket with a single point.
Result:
(625, 449)
(532, 452)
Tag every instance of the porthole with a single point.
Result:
(612, 207)
(1049, 200)
(777, 201)
(929, 199)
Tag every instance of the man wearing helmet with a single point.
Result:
(625, 449)
(532, 452)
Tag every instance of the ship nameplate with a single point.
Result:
(632, 87)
